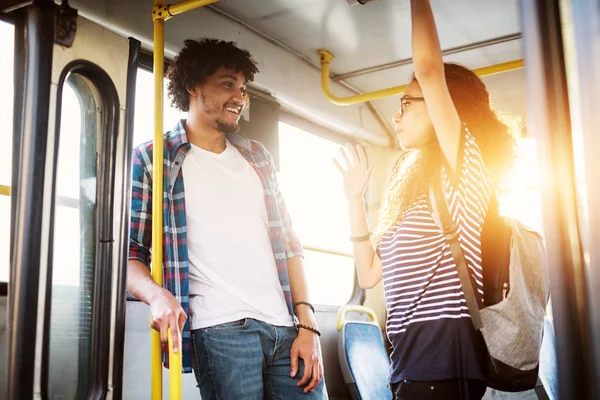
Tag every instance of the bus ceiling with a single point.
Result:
(371, 42)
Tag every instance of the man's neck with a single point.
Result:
(207, 138)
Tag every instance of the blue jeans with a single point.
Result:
(250, 360)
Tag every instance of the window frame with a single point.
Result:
(17, 20)
(38, 20)
(104, 216)
(358, 294)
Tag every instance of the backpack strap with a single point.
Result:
(442, 217)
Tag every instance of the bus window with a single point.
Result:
(143, 125)
(523, 200)
(315, 199)
(330, 277)
(7, 39)
(74, 239)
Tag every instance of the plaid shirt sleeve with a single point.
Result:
(293, 246)
(140, 233)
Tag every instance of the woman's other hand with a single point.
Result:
(354, 170)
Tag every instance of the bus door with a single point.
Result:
(562, 51)
(73, 86)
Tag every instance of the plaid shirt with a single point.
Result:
(175, 254)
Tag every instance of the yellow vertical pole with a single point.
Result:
(160, 13)
(174, 371)
(157, 194)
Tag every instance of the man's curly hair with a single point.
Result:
(201, 58)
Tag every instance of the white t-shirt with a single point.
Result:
(233, 274)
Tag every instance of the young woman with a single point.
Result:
(451, 137)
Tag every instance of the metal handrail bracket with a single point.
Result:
(165, 11)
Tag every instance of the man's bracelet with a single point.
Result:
(306, 303)
(358, 239)
(310, 328)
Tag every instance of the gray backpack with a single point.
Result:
(516, 292)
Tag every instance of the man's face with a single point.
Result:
(220, 100)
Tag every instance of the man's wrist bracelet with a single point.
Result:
(306, 303)
(309, 328)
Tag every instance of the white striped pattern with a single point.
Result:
(420, 279)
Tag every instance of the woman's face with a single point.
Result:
(413, 126)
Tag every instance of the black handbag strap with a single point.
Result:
(440, 210)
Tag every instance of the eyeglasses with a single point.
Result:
(407, 100)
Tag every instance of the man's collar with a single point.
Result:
(179, 137)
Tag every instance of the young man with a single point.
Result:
(231, 261)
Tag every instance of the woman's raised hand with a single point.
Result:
(354, 170)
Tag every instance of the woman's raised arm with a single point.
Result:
(429, 72)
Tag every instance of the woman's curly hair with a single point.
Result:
(413, 172)
(201, 58)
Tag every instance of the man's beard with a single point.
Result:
(226, 128)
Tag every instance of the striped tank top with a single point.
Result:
(428, 322)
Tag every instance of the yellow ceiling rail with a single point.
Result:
(499, 68)
(166, 11)
(326, 58)
(4, 190)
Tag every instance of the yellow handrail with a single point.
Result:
(499, 68)
(326, 58)
(174, 370)
(157, 195)
(188, 5)
(160, 13)
(354, 308)
(4, 190)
